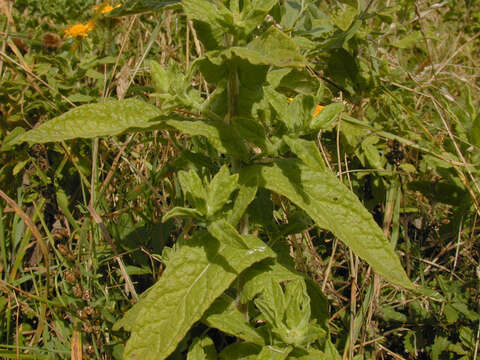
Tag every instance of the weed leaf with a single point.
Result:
(198, 273)
(333, 207)
(218, 133)
(245, 196)
(274, 353)
(327, 116)
(271, 48)
(307, 151)
(220, 189)
(202, 349)
(178, 211)
(227, 234)
(132, 7)
(225, 316)
(110, 118)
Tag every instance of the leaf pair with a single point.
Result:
(214, 19)
(298, 115)
(207, 200)
(288, 313)
(198, 273)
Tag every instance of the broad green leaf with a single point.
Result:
(244, 197)
(212, 21)
(331, 351)
(307, 151)
(218, 133)
(110, 118)
(258, 277)
(326, 117)
(240, 351)
(297, 312)
(202, 349)
(225, 316)
(288, 313)
(220, 189)
(279, 102)
(309, 354)
(346, 18)
(159, 77)
(274, 77)
(193, 189)
(291, 12)
(199, 272)
(254, 13)
(225, 233)
(131, 7)
(202, 10)
(333, 207)
(252, 131)
(178, 211)
(271, 352)
(272, 303)
(299, 113)
(299, 81)
(273, 47)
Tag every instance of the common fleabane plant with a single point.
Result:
(263, 147)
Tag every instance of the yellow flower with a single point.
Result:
(318, 109)
(79, 30)
(105, 8)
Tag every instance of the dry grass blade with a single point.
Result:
(76, 346)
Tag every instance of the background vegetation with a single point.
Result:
(408, 74)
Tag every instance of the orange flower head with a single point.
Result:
(318, 110)
(104, 8)
(79, 30)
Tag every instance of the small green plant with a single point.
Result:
(230, 267)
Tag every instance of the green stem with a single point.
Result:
(232, 93)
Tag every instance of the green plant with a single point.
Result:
(230, 267)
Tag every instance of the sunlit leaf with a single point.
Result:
(110, 118)
(274, 353)
(307, 151)
(199, 272)
(182, 212)
(273, 47)
(220, 189)
(225, 316)
(225, 233)
(131, 7)
(202, 349)
(333, 207)
(327, 116)
(218, 133)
